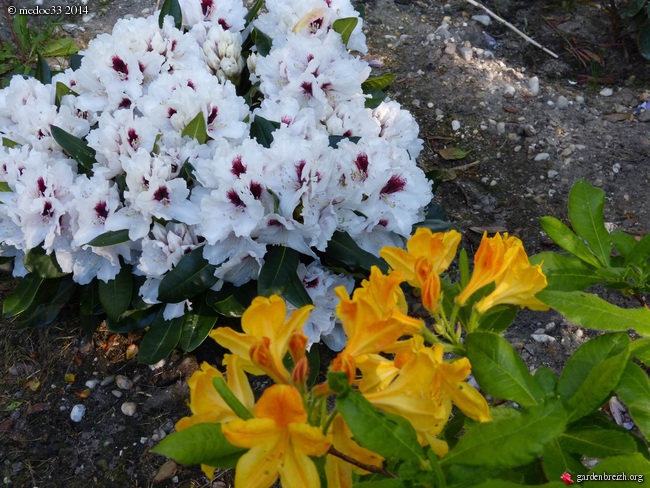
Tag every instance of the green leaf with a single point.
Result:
(342, 249)
(389, 436)
(75, 61)
(345, 27)
(22, 31)
(590, 311)
(556, 461)
(634, 7)
(634, 389)
(585, 438)
(115, 295)
(387, 483)
(44, 313)
(280, 264)
(4, 187)
(509, 442)
(262, 41)
(373, 98)
(497, 319)
(378, 82)
(200, 444)
(192, 275)
(565, 272)
(160, 339)
(334, 140)
(9, 143)
(592, 373)
(547, 380)
(173, 8)
(110, 238)
(133, 320)
(643, 41)
(640, 349)
(630, 464)
(640, 253)
(196, 129)
(564, 237)
(586, 203)
(43, 71)
(22, 296)
(500, 483)
(623, 242)
(89, 299)
(195, 328)
(252, 13)
(262, 130)
(60, 47)
(434, 225)
(231, 300)
(42, 264)
(452, 153)
(77, 148)
(295, 293)
(231, 400)
(500, 371)
(61, 91)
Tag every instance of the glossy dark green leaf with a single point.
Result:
(497, 319)
(42, 264)
(231, 300)
(160, 339)
(89, 298)
(509, 442)
(192, 275)
(280, 264)
(110, 238)
(252, 13)
(61, 91)
(262, 130)
(75, 61)
(115, 295)
(592, 372)
(45, 312)
(173, 8)
(133, 320)
(200, 444)
(196, 327)
(334, 140)
(373, 98)
(586, 203)
(342, 249)
(43, 71)
(390, 436)
(500, 371)
(22, 296)
(345, 27)
(262, 41)
(564, 237)
(379, 82)
(634, 389)
(77, 148)
(634, 7)
(196, 129)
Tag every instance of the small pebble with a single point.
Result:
(117, 393)
(415, 103)
(544, 338)
(550, 326)
(580, 99)
(455, 125)
(107, 381)
(451, 48)
(92, 384)
(123, 383)
(493, 183)
(562, 102)
(533, 86)
(77, 413)
(542, 156)
(551, 173)
(129, 408)
(501, 128)
(509, 91)
(466, 53)
(606, 92)
(483, 19)
(616, 168)
(429, 105)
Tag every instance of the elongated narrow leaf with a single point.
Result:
(379, 82)
(200, 444)
(564, 237)
(75, 61)
(9, 143)
(623, 242)
(133, 320)
(115, 295)
(586, 203)
(77, 148)
(231, 400)
(197, 129)
(296, 294)
(280, 264)
(389, 436)
(232, 301)
(262, 41)
(22, 296)
(500, 371)
(373, 98)
(565, 272)
(43, 71)
(196, 327)
(547, 380)
(173, 8)
(556, 461)
(497, 319)
(262, 130)
(160, 339)
(643, 40)
(45, 312)
(634, 389)
(509, 442)
(592, 373)
(192, 275)
(60, 47)
(61, 91)
(640, 253)
(343, 249)
(252, 13)
(345, 27)
(334, 140)
(640, 349)
(585, 438)
(42, 264)
(89, 299)
(591, 311)
(110, 238)
(22, 31)
(633, 7)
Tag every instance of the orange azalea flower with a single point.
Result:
(426, 257)
(206, 404)
(492, 258)
(266, 338)
(517, 286)
(279, 440)
(338, 471)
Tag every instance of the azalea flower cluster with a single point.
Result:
(132, 99)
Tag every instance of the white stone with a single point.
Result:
(616, 168)
(606, 92)
(501, 128)
(129, 408)
(509, 91)
(107, 381)
(77, 413)
(562, 102)
(123, 383)
(117, 393)
(551, 173)
(542, 156)
(533, 86)
(429, 105)
(92, 384)
(455, 125)
(543, 338)
(483, 19)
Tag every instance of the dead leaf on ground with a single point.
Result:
(132, 351)
(493, 229)
(616, 117)
(70, 378)
(451, 153)
(166, 471)
(33, 385)
(83, 394)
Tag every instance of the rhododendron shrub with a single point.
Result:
(194, 153)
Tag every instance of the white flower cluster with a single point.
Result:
(133, 96)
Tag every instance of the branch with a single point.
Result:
(513, 28)
(367, 467)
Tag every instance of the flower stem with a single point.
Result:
(367, 467)
(329, 420)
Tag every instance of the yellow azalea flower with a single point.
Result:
(517, 286)
(377, 372)
(338, 471)
(427, 256)
(492, 258)
(206, 404)
(279, 440)
(266, 337)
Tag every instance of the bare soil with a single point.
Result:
(526, 150)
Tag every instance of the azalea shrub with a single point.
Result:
(196, 158)
(396, 408)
